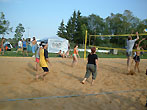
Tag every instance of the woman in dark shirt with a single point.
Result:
(92, 66)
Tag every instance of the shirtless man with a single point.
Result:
(2, 45)
(33, 46)
(137, 56)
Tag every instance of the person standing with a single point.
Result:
(33, 46)
(75, 54)
(137, 55)
(2, 46)
(130, 44)
(43, 61)
(38, 56)
(24, 43)
(20, 46)
(92, 66)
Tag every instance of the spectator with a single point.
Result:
(19, 46)
(34, 46)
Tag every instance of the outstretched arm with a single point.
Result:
(140, 41)
(137, 36)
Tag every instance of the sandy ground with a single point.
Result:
(17, 81)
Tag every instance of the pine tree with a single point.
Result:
(78, 38)
(61, 30)
(73, 25)
(69, 31)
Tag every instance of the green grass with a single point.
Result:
(100, 55)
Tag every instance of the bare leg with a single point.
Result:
(135, 66)
(74, 61)
(83, 82)
(138, 67)
(38, 75)
(128, 63)
(92, 82)
(23, 53)
(42, 75)
(37, 66)
(27, 53)
(3, 50)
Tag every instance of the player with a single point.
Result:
(38, 56)
(43, 61)
(92, 66)
(137, 56)
(75, 54)
(2, 46)
(130, 45)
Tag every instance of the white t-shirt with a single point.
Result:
(20, 43)
(130, 45)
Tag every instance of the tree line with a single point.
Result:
(74, 30)
(6, 29)
(125, 23)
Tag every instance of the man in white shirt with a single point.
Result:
(20, 46)
(130, 45)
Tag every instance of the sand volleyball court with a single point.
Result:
(17, 82)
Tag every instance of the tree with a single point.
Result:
(83, 30)
(61, 30)
(73, 25)
(78, 38)
(4, 25)
(69, 30)
(115, 24)
(19, 32)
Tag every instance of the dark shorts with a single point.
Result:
(129, 54)
(24, 48)
(136, 58)
(60, 56)
(45, 69)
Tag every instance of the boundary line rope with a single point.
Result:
(69, 96)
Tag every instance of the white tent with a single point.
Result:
(57, 43)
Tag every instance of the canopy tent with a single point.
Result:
(55, 44)
(8, 43)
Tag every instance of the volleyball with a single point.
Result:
(145, 30)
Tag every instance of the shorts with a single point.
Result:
(33, 48)
(60, 56)
(129, 54)
(37, 60)
(136, 58)
(74, 55)
(24, 48)
(45, 69)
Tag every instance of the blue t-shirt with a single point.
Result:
(24, 44)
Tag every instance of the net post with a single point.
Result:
(85, 45)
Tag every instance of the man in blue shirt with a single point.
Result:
(24, 44)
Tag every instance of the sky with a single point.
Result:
(41, 18)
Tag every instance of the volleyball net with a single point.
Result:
(115, 42)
